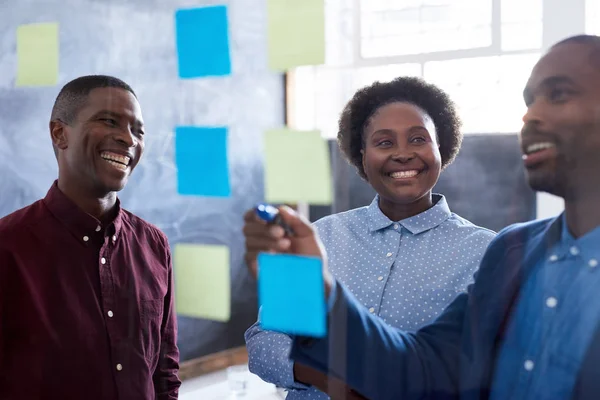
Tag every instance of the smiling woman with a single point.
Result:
(405, 256)
(400, 135)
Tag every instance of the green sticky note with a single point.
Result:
(297, 167)
(202, 281)
(296, 31)
(37, 54)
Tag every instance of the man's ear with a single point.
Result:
(58, 134)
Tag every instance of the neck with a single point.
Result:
(398, 212)
(101, 207)
(582, 213)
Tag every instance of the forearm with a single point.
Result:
(334, 387)
(166, 379)
(382, 362)
(268, 357)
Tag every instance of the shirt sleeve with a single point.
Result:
(268, 357)
(4, 260)
(382, 362)
(166, 379)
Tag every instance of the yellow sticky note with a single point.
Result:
(297, 167)
(37, 54)
(296, 31)
(202, 281)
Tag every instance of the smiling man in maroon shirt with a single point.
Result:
(86, 288)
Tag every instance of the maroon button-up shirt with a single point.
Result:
(86, 309)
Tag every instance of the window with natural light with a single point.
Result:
(479, 53)
(592, 17)
(390, 28)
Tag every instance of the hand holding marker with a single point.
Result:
(271, 215)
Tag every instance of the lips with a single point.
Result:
(537, 153)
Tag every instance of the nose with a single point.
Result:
(533, 115)
(126, 137)
(403, 154)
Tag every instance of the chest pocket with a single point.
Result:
(151, 315)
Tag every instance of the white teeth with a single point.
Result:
(123, 160)
(532, 148)
(404, 174)
(117, 165)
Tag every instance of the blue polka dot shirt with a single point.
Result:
(405, 272)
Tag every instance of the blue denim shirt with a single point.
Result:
(555, 318)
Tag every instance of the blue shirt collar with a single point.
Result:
(588, 245)
(422, 222)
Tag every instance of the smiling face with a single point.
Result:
(561, 135)
(101, 147)
(401, 157)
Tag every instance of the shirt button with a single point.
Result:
(593, 263)
(553, 257)
(119, 367)
(114, 238)
(85, 238)
(528, 365)
(389, 254)
(380, 278)
(103, 260)
(98, 228)
(551, 302)
(371, 310)
(396, 226)
(110, 313)
(574, 250)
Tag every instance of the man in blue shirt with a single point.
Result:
(528, 326)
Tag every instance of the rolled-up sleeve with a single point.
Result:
(268, 357)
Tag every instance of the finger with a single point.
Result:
(251, 261)
(299, 224)
(250, 216)
(267, 244)
(257, 229)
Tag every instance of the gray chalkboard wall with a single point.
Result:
(485, 184)
(134, 40)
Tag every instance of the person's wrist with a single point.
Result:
(300, 374)
(328, 287)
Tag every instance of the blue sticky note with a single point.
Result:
(291, 295)
(202, 42)
(201, 159)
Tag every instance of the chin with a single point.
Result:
(544, 183)
(114, 186)
(405, 197)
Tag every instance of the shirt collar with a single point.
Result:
(587, 245)
(81, 224)
(422, 222)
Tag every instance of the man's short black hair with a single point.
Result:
(73, 96)
(430, 98)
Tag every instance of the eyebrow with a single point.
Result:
(137, 122)
(549, 82)
(412, 129)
